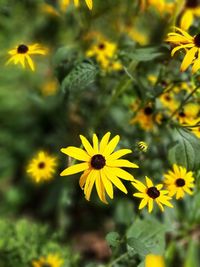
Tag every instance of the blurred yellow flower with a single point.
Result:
(189, 112)
(150, 194)
(21, 54)
(168, 101)
(161, 6)
(137, 36)
(104, 51)
(183, 40)
(179, 181)
(42, 167)
(145, 117)
(101, 165)
(65, 3)
(49, 87)
(152, 260)
(49, 9)
(191, 10)
(52, 260)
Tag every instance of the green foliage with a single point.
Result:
(23, 241)
(186, 151)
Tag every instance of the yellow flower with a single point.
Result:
(152, 260)
(150, 194)
(183, 40)
(161, 6)
(137, 36)
(49, 87)
(52, 260)
(65, 3)
(145, 117)
(142, 146)
(168, 100)
(42, 167)
(101, 165)
(189, 112)
(191, 10)
(21, 54)
(104, 51)
(179, 181)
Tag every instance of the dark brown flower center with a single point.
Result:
(167, 97)
(98, 161)
(153, 192)
(148, 111)
(197, 40)
(41, 165)
(191, 3)
(101, 46)
(22, 49)
(46, 265)
(182, 114)
(180, 182)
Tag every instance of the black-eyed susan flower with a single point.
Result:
(168, 101)
(101, 166)
(65, 3)
(179, 181)
(150, 194)
(191, 10)
(104, 52)
(191, 45)
(51, 260)
(188, 113)
(42, 167)
(152, 260)
(22, 53)
(142, 146)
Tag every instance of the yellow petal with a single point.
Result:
(83, 178)
(104, 142)
(174, 50)
(87, 146)
(139, 186)
(75, 169)
(111, 146)
(188, 58)
(100, 189)
(76, 153)
(107, 184)
(115, 180)
(140, 195)
(119, 154)
(30, 62)
(150, 205)
(196, 65)
(95, 144)
(89, 4)
(186, 19)
(149, 183)
(122, 174)
(76, 3)
(90, 183)
(143, 203)
(121, 163)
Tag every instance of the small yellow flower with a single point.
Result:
(190, 11)
(188, 113)
(168, 100)
(142, 146)
(52, 260)
(179, 181)
(22, 54)
(162, 6)
(49, 87)
(42, 167)
(150, 194)
(152, 260)
(101, 166)
(183, 40)
(65, 3)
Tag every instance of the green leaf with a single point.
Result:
(113, 239)
(80, 77)
(138, 246)
(186, 151)
(192, 255)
